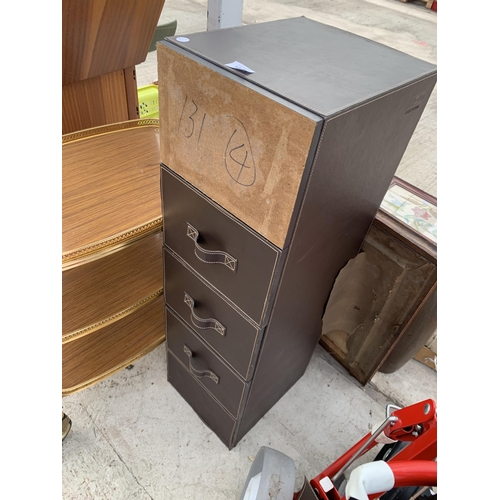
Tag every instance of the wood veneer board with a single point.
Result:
(100, 36)
(117, 200)
(247, 150)
(132, 93)
(95, 102)
(94, 357)
(99, 290)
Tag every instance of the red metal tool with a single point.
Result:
(407, 460)
(414, 465)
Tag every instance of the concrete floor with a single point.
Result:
(134, 437)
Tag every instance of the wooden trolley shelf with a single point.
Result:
(112, 289)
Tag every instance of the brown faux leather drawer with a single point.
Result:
(232, 258)
(202, 402)
(203, 364)
(210, 316)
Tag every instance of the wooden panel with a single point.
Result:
(101, 36)
(244, 149)
(93, 357)
(406, 231)
(110, 187)
(372, 301)
(419, 330)
(99, 289)
(132, 93)
(383, 306)
(94, 102)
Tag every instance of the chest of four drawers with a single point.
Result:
(270, 181)
(218, 281)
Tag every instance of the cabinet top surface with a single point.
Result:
(319, 67)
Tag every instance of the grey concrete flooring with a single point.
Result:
(134, 437)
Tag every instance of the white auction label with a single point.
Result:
(240, 67)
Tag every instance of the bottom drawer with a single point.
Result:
(207, 408)
(88, 359)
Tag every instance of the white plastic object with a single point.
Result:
(326, 484)
(373, 477)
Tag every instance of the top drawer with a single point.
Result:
(235, 261)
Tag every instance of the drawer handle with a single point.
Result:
(196, 372)
(210, 256)
(201, 323)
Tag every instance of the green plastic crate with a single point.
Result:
(148, 101)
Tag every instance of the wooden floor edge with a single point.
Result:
(330, 347)
(121, 366)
